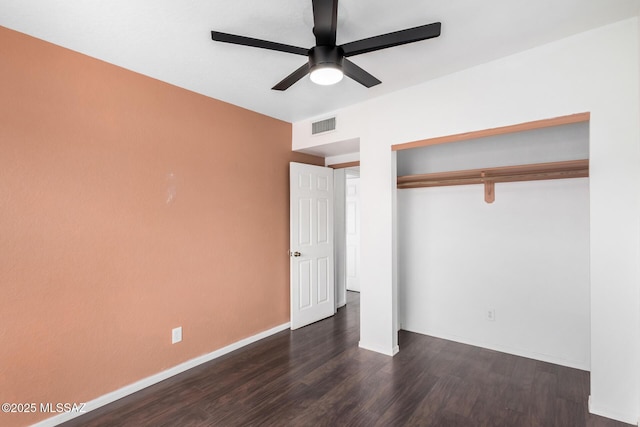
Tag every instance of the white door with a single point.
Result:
(312, 280)
(353, 234)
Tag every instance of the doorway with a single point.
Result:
(347, 231)
(352, 229)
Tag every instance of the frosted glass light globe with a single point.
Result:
(326, 75)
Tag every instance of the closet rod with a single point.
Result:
(490, 176)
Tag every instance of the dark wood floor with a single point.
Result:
(317, 376)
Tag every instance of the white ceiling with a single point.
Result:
(170, 40)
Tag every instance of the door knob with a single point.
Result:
(296, 254)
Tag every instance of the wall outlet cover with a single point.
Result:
(176, 335)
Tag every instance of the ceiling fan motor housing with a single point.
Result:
(325, 56)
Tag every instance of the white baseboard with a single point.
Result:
(395, 350)
(582, 365)
(614, 415)
(160, 376)
(385, 351)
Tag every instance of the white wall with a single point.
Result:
(638, 34)
(596, 71)
(339, 228)
(554, 144)
(525, 256)
(638, 345)
(353, 232)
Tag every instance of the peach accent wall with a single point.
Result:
(128, 207)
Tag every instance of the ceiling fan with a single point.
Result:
(327, 62)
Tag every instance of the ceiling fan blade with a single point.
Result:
(358, 74)
(263, 44)
(292, 78)
(325, 21)
(392, 39)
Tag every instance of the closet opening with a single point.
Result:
(493, 239)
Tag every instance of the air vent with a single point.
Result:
(323, 126)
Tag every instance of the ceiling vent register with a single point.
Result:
(323, 126)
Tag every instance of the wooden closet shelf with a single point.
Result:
(490, 176)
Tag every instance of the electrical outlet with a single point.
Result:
(491, 315)
(176, 335)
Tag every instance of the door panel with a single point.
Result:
(312, 277)
(304, 226)
(323, 221)
(304, 277)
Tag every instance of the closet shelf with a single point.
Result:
(490, 176)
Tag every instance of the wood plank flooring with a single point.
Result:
(317, 376)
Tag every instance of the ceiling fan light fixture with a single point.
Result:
(325, 65)
(327, 62)
(326, 75)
